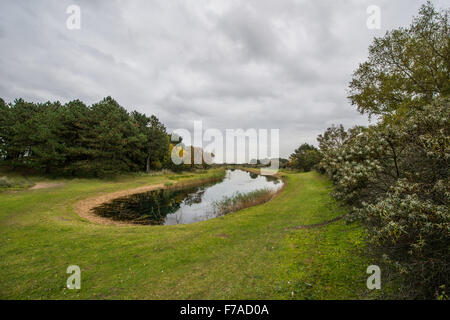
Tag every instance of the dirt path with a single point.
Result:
(45, 185)
(84, 207)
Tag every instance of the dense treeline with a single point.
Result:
(305, 158)
(395, 174)
(79, 140)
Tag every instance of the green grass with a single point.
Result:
(255, 253)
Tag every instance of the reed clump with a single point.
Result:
(239, 201)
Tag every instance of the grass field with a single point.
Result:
(255, 253)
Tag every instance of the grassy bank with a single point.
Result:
(255, 253)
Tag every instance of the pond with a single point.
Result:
(188, 205)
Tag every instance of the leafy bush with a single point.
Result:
(305, 158)
(396, 177)
(14, 183)
(412, 234)
(395, 174)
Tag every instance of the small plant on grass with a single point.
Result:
(14, 183)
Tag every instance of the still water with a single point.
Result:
(194, 204)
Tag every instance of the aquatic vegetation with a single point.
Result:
(240, 201)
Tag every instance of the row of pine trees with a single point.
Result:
(74, 139)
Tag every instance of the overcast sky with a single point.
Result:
(231, 64)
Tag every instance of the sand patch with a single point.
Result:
(84, 207)
(45, 185)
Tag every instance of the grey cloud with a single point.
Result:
(233, 64)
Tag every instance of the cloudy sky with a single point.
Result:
(232, 64)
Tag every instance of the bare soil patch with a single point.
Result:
(45, 185)
(84, 207)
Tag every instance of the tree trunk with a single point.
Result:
(148, 164)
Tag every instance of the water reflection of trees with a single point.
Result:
(268, 178)
(195, 197)
(253, 175)
(147, 208)
(272, 179)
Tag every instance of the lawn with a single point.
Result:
(255, 253)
